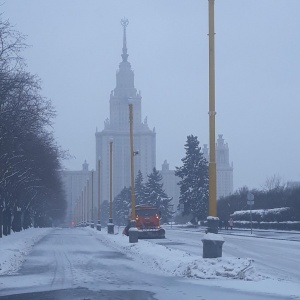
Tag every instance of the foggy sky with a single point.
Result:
(76, 50)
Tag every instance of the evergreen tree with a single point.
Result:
(139, 189)
(121, 206)
(194, 180)
(156, 196)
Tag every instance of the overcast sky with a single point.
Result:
(76, 49)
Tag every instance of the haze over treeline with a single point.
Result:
(76, 47)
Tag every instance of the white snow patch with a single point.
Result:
(15, 246)
(213, 237)
(180, 263)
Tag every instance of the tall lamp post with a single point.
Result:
(92, 221)
(82, 209)
(99, 223)
(213, 221)
(212, 244)
(133, 232)
(250, 202)
(110, 225)
(86, 220)
(78, 212)
(88, 216)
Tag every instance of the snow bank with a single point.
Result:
(180, 263)
(14, 247)
(262, 212)
(213, 237)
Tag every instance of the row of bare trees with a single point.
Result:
(30, 186)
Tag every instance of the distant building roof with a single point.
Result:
(293, 184)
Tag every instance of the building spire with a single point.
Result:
(124, 23)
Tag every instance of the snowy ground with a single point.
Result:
(15, 247)
(226, 272)
(180, 263)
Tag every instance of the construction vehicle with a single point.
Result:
(147, 222)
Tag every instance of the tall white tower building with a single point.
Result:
(117, 129)
(224, 168)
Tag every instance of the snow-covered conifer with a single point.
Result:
(194, 180)
(156, 196)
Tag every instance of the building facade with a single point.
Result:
(116, 129)
(170, 184)
(224, 167)
(293, 184)
(74, 183)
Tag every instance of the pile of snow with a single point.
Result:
(15, 246)
(180, 263)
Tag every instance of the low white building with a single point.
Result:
(170, 184)
(74, 183)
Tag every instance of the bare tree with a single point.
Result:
(274, 182)
(29, 156)
(11, 45)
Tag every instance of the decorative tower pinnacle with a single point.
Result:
(124, 23)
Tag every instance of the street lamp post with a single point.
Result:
(78, 211)
(212, 114)
(92, 221)
(88, 216)
(250, 202)
(99, 223)
(212, 245)
(212, 220)
(110, 225)
(133, 232)
(82, 206)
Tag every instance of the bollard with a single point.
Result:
(133, 235)
(212, 224)
(212, 245)
(110, 227)
(99, 226)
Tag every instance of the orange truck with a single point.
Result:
(147, 222)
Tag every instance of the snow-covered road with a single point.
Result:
(83, 263)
